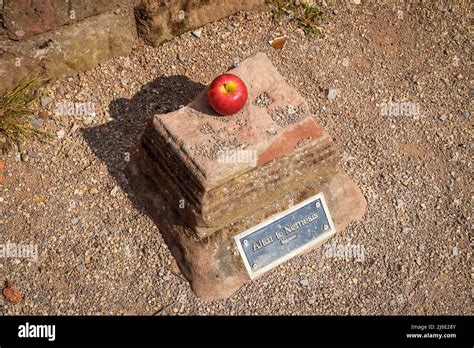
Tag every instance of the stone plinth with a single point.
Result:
(206, 178)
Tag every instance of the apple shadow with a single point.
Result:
(201, 105)
(115, 142)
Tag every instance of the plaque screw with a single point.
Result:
(325, 226)
(254, 266)
(246, 242)
(318, 204)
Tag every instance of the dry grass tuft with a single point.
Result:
(15, 115)
(306, 17)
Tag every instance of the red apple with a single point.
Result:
(227, 94)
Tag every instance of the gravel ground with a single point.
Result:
(99, 253)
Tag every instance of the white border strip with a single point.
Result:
(324, 235)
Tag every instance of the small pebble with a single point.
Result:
(112, 229)
(33, 154)
(399, 203)
(332, 93)
(304, 282)
(44, 115)
(37, 122)
(197, 33)
(80, 267)
(75, 221)
(114, 191)
(45, 100)
(299, 32)
(346, 157)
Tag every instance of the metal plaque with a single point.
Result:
(285, 235)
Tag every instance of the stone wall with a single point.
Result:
(158, 21)
(59, 38)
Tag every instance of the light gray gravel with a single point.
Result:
(333, 93)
